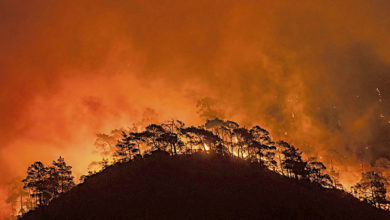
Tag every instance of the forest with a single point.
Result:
(223, 138)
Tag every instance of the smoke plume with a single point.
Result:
(316, 74)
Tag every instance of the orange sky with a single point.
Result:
(316, 73)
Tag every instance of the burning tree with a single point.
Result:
(293, 162)
(244, 139)
(316, 172)
(372, 188)
(218, 137)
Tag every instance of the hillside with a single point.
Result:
(200, 186)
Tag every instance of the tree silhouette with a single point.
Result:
(45, 183)
(172, 135)
(169, 139)
(270, 159)
(125, 147)
(64, 173)
(260, 134)
(244, 139)
(192, 136)
(316, 169)
(229, 129)
(195, 135)
(36, 181)
(372, 187)
(136, 137)
(293, 162)
(216, 137)
(152, 136)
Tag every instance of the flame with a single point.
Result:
(206, 147)
(244, 155)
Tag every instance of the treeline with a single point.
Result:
(224, 138)
(254, 144)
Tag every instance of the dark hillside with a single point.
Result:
(200, 186)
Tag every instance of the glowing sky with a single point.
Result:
(315, 73)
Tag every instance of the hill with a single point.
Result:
(200, 186)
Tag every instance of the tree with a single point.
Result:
(265, 148)
(191, 136)
(36, 182)
(152, 136)
(316, 169)
(229, 129)
(169, 138)
(196, 135)
(372, 186)
(45, 183)
(64, 175)
(210, 139)
(270, 159)
(244, 138)
(173, 135)
(260, 134)
(125, 147)
(293, 162)
(52, 182)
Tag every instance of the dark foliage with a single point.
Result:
(46, 183)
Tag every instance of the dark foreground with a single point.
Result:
(200, 186)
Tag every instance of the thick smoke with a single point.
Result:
(313, 73)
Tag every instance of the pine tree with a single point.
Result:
(64, 175)
(36, 181)
(372, 187)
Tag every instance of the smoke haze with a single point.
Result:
(314, 73)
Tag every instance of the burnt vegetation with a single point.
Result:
(217, 170)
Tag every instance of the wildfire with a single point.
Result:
(81, 96)
(244, 155)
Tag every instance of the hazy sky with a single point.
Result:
(315, 73)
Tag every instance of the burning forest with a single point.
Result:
(225, 139)
(75, 75)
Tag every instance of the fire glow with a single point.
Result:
(312, 77)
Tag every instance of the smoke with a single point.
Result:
(309, 72)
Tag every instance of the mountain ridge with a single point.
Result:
(200, 186)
